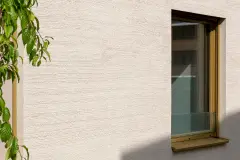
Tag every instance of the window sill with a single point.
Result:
(198, 143)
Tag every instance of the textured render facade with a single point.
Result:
(106, 95)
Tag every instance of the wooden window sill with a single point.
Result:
(198, 143)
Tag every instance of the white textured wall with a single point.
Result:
(107, 93)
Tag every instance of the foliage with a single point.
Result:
(15, 15)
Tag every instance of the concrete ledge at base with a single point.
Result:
(198, 143)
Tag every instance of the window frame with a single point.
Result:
(213, 74)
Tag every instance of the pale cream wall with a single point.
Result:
(107, 93)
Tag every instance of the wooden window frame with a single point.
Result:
(213, 75)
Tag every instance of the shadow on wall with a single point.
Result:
(161, 150)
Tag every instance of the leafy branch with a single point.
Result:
(13, 12)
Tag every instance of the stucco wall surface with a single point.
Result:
(106, 95)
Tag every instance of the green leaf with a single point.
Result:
(15, 72)
(9, 142)
(14, 147)
(1, 108)
(1, 38)
(9, 75)
(6, 114)
(8, 31)
(39, 63)
(11, 51)
(31, 16)
(2, 103)
(34, 61)
(8, 2)
(29, 3)
(24, 20)
(30, 45)
(12, 12)
(3, 68)
(33, 53)
(6, 132)
(45, 45)
(26, 36)
(48, 54)
(37, 22)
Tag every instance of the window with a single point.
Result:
(183, 31)
(194, 76)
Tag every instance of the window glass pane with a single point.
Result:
(190, 110)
